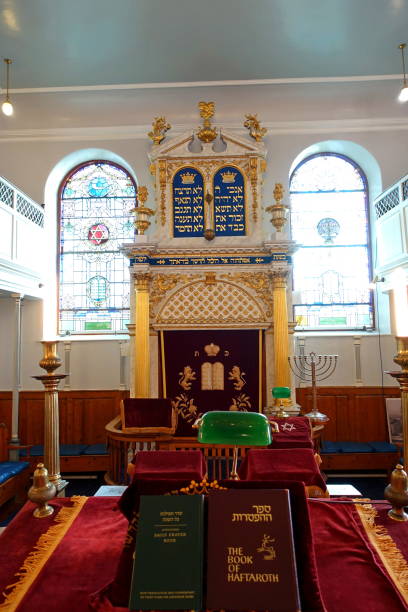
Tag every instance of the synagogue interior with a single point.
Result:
(204, 237)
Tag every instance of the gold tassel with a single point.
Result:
(390, 555)
(42, 551)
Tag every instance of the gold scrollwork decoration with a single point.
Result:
(159, 129)
(259, 282)
(253, 175)
(163, 183)
(252, 123)
(207, 133)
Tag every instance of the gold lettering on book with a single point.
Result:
(236, 558)
(261, 514)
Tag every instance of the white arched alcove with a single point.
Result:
(57, 174)
(370, 167)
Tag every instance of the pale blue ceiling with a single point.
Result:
(56, 43)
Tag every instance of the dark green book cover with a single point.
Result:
(251, 557)
(168, 566)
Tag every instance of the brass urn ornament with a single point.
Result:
(397, 494)
(278, 210)
(41, 492)
(142, 213)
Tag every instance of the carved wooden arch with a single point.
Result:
(218, 303)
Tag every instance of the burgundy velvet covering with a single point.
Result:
(146, 412)
(284, 464)
(182, 464)
(352, 576)
(80, 565)
(294, 432)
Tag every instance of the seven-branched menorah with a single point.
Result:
(313, 368)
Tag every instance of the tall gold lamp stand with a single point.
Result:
(51, 362)
(397, 491)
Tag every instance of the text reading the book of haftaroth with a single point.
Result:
(171, 527)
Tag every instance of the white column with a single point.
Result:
(18, 299)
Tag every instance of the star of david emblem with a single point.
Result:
(98, 234)
(288, 427)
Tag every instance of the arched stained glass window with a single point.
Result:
(331, 270)
(94, 221)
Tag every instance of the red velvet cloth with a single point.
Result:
(188, 464)
(82, 562)
(284, 464)
(352, 576)
(147, 412)
(294, 432)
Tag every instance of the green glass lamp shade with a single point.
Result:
(239, 428)
(280, 392)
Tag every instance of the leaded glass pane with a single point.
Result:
(95, 221)
(331, 269)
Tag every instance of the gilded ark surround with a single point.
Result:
(207, 261)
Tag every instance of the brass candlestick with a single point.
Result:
(51, 362)
(41, 492)
(393, 494)
(142, 213)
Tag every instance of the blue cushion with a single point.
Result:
(383, 447)
(11, 468)
(71, 449)
(329, 447)
(96, 449)
(355, 447)
(35, 451)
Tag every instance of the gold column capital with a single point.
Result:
(142, 280)
(279, 279)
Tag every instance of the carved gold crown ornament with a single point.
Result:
(207, 133)
(187, 178)
(212, 349)
(228, 176)
(252, 123)
(159, 129)
(278, 210)
(142, 213)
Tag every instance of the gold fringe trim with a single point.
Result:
(42, 551)
(390, 555)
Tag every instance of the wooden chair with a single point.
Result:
(14, 475)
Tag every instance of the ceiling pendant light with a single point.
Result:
(7, 106)
(403, 95)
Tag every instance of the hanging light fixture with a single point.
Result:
(7, 106)
(403, 95)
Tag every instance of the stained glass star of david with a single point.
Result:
(98, 234)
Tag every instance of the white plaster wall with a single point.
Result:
(95, 364)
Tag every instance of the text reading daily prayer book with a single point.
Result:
(251, 558)
(168, 566)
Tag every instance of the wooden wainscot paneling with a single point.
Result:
(357, 414)
(5, 408)
(83, 415)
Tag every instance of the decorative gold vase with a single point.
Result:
(397, 494)
(50, 360)
(41, 492)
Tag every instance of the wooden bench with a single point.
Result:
(75, 457)
(14, 475)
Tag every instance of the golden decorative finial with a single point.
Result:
(279, 211)
(397, 494)
(160, 127)
(207, 133)
(142, 212)
(252, 123)
(41, 492)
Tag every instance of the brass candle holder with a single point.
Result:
(398, 490)
(51, 362)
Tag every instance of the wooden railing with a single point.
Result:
(122, 448)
